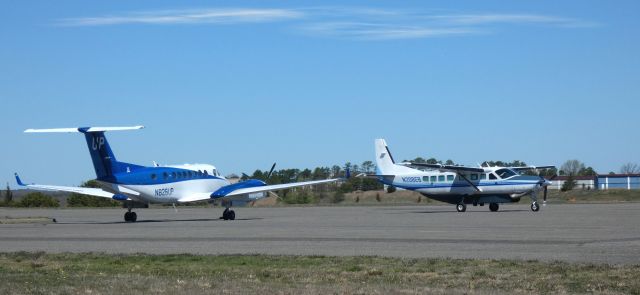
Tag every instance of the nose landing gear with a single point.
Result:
(535, 207)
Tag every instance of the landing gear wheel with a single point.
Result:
(130, 217)
(494, 207)
(228, 214)
(535, 207)
(461, 207)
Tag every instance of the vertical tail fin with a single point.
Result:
(384, 160)
(104, 161)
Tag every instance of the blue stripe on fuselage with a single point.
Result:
(456, 185)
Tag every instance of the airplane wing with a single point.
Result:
(195, 197)
(275, 187)
(73, 189)
(248, 187)
(451, 168)
(531, 168)
(374, 176)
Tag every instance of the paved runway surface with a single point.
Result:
(602, 233)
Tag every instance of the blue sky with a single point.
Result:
(244, 84)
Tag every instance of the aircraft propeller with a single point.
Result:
(271, 171)
(546, 188)
(244, 175)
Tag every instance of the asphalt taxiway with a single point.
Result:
(599, 233)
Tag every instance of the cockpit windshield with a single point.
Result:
(505, 173)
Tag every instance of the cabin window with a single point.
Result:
(153, 176)
(474, 176)
(492, 176)
(173, 175)
(483, 176)
(450, 177)
(165, 175)
(433, 178)
(190, 174)
(425, 178)
(441, 178)
(505, 173)
(205, 172)
(214, 172)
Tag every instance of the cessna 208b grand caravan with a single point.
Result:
(137, 185)
(460, 185)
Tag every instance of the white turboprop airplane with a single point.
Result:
(139, 185)
(460, 185)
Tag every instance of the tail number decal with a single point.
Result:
(163, 192)
(97, 143)
(411, 179)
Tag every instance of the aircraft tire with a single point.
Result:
(225, 214)
(494, 207)
(127, 216)
(461, 207)
(134, 217)
(232, 215)
(535, 207)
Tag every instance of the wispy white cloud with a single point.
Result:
(492, 18)
(380, 24)
(214, 15)
(343, 22)
(373, 31)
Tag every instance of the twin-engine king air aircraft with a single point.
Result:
(460, 185)
(137, 185)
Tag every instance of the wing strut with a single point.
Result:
(469, 182)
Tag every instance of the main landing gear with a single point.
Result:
(494, 207)
(461, 207)
(130, 216)
(228, 214)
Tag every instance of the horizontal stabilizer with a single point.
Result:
(82, 129)
(364, 175)
(96, 192)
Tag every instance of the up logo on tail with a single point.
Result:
(97, 143)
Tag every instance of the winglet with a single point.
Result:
(18, 180)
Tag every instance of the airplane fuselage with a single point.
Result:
(168, 184)
(451, 188)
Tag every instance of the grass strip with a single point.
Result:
(94, 273)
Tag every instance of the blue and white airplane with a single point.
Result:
(137, 185)
(460, 185)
